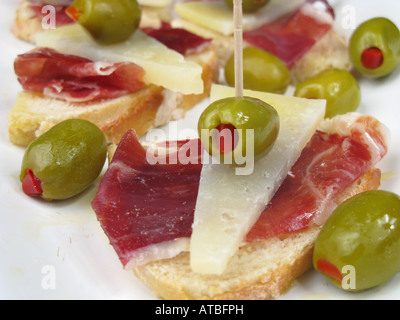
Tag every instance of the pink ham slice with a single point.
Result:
(141, 205)
(76, 79)
(178, 39)
(328, 165)
(291, 36)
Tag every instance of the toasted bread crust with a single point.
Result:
(261, 270)
(26, 23)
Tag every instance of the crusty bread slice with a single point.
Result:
(329, 52)
(27, 25)
(261, 270)
(152, 106)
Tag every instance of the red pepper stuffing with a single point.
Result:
(329, 269)
(31, 185)
(227, 137)
(73, 13)
(372, 58)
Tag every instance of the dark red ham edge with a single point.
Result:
(61, 18)
(327, 166)
(139, 204)
(177, 39)
(76, 79)
(291, 36)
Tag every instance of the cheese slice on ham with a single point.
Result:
(229, 204)
(218, 17)
(163, 66)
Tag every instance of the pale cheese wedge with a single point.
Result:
(218, 17)
(229, 204)
(155, 3)
(163, 66)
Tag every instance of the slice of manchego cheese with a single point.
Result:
(229, 204)
(155, 3)
(218, 17)
(163, 66)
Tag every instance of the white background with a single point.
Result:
(66, 237)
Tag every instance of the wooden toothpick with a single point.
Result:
(238, 38)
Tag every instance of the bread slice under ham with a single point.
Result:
(261, 270)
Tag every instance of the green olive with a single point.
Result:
(250, 5)
(262, 71)
(359, 246)
(63, 161)
(338, 87)
(375, 47)
(108, 22)
(251, 128)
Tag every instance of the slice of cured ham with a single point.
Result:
(163, 67)
(147, 210)
(291, 36)
(73, 78)
(288, 29)
(76, 79)
(329, 164)
(140, 205)
(178, 39)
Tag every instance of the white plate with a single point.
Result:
(58, 250)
